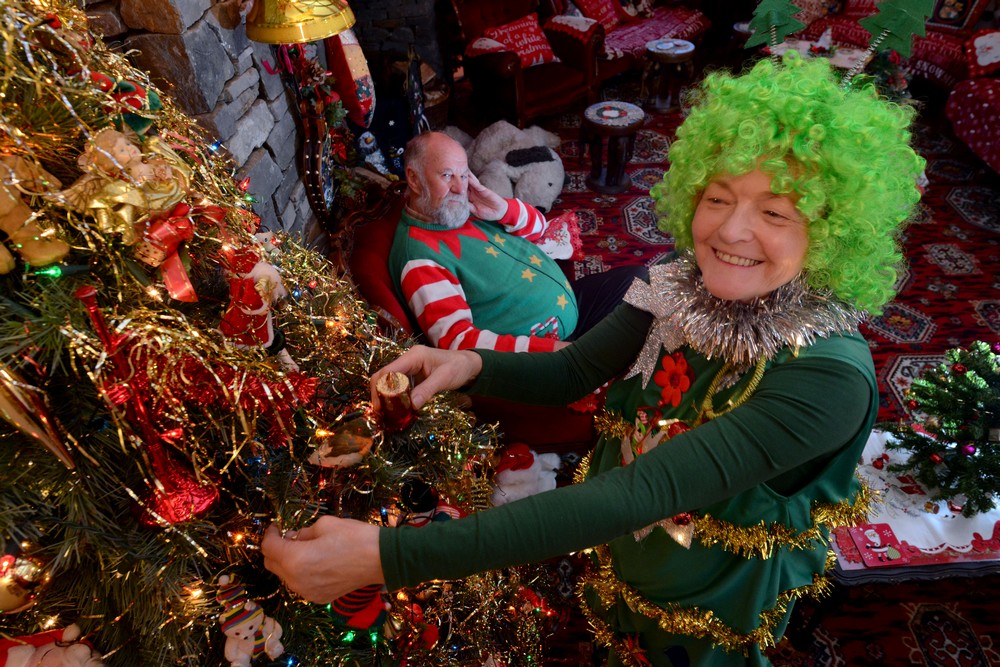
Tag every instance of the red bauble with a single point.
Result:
(959, 368)
(936, 458)
(677, 428)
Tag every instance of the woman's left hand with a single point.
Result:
(326, 560)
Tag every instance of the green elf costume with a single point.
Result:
(725, 455)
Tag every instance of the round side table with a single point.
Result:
(617, 122)
(669, 66)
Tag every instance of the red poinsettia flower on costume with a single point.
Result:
(674, 379)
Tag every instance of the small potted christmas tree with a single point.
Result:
(955, 448)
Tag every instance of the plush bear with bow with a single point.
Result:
(518, 163)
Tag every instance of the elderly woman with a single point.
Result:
(731, 444)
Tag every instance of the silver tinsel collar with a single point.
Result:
(793, 315)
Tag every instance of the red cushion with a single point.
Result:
(859, 8)
(810, 10)
(974, 110)
(524, 37)
(958, 17)
(983, 52)
(606, 12)
(579, 27)
(940, 58)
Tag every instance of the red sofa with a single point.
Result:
(626, 35)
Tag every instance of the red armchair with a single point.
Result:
(503, 85)
(361, 252)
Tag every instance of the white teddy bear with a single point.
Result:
(518, 163)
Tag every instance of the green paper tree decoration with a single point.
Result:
(772, 22)
(955, 449)
(896, 22)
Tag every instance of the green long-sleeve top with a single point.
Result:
(794, 443)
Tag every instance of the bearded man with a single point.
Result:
(464, 261)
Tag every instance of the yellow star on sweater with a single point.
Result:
(562, 301)
(528, 275)
(536, 260)
(499, 239)
(490, 250)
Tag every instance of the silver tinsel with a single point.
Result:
(793, 315)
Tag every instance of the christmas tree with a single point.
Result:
(172, 381)
(955, 445)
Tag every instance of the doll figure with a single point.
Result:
(121, 184)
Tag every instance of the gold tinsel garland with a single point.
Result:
(762, 539)
(676, 619)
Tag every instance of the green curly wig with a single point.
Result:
(844, 154)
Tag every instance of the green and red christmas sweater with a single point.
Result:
(485, 284)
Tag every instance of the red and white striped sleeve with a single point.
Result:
(523, 220)
(435, 296)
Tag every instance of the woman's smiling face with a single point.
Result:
(748, 241)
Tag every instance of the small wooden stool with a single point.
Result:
(618, 122)
(669, 66)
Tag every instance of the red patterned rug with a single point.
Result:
(949, 296)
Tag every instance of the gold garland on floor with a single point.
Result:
(675, 619)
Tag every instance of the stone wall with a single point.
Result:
(197, 51)
(386, 29)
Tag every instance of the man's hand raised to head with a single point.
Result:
(484, 203)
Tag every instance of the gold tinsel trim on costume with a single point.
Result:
(689, 621)
(580, 475)
(762, 539)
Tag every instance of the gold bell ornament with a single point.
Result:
(297, 21)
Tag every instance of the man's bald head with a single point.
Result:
(437, 179)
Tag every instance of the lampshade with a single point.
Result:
(296, 21)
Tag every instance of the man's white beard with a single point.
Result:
(452, 213)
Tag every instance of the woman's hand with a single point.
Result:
(483, 202)
(433, 370)
(326, 560)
